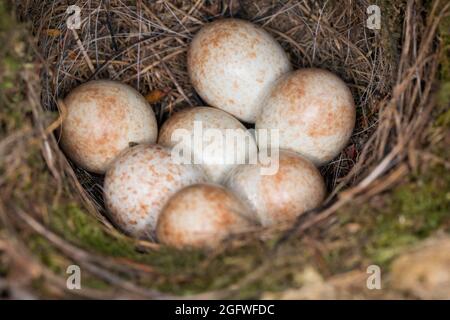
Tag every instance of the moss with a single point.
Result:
(181, 272)
(93, 282)
(47, 254)
(9, 67)
(414, 211)
(444, 67)
(444, 119)
(5, 17)
(77, 226)
(390, 223)
(3, 268)
(13, 59)
(444, 33)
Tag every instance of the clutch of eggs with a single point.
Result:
(103, 118)
(239, 68)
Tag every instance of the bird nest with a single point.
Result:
(389, 70)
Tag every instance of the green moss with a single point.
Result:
(444, 33)
(389, 224)
(181, 272)
(9, 67)
(444, 65)
(5, 17)
(77, 226)
(444, 119)
(414, 211)
(13, 55)
(94, 283)
(11, 64)
(3, 268)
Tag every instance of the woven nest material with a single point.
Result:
(144, 44)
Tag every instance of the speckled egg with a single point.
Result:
(296, 187)
(314, 112)
(223, 141)
(202, 215)
(103, 118)
(232, 64)
(138, 184)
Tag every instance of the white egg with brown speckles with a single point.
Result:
(295, 187)
(202, 215)
(138, 184)
(232, 64)
(313, 110)
(103, 118)
(223, 142)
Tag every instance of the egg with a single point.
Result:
(313, 110)
(295, 187)
(139, 182)
(202, 215)
(223, 142)
(233, 63)
(103, 118)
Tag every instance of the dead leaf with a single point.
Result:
(72, 55)
(53, 33)
(156, 95)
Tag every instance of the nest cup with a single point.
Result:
(144, 44)
(146, 47)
